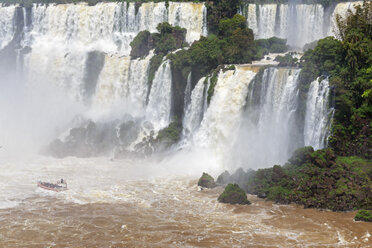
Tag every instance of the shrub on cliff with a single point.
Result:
(141, 44)
(233, 194)
(168, 39)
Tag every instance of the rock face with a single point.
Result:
(206, 181)
(239, 177)
(233, 194)
(224, 178)
(363, 215)
(90, 138)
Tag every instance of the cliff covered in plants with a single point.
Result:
(348, 64)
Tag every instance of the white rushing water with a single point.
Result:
(268, 133)
(298, 23)
(123, 84)
(194, 110)
(318, 113)
(7, 28)
(218, 128)
(64, 34)
(160, 99)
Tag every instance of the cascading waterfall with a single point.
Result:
(268, 132)
(223, 113)
(6, 25)
(298, 23)
(318, 113)
(123, 82)
(84, 49)
(64, 34)
(159, 107)
(194, 110)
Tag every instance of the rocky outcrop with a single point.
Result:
(206, 181)
(233, 194)
(317, 180)
(224, 178)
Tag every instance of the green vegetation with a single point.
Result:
(271, 45)
(233, 45)
(287, 60)
(218, 10)
(168, 39)
(206, 181)
(233, 194)
(363, 215)
(348, 63)
(141, 44)
(317, 179)
(170, 135)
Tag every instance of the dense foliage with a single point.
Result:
(317, 179)
(271, 45)
(218, 10)
(234, 44)
(363, 215)
(348, 64)
(287, 60)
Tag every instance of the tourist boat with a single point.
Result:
(57, 187)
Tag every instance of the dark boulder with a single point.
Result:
(233, 194)
(206, 181)
(224, 178)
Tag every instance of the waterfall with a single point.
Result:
(318, 111)
(7, 28)
(342, 10)
(63, 35)
(223, 113)
(159, 107)
(192, 16)
(298, 23)
(194, 110)
(123, 82)
(269, 133)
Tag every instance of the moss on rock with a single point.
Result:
(206, 181)
(233, 194)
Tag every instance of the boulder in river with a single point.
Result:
(233, 194)
(207, 181)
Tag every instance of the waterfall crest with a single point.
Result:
(298, 23)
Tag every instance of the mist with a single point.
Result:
(32, 113)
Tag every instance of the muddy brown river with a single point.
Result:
(108, 205)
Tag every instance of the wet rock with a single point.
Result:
(206, 181)
(233, 194)
(224, 178)
(240, 177)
